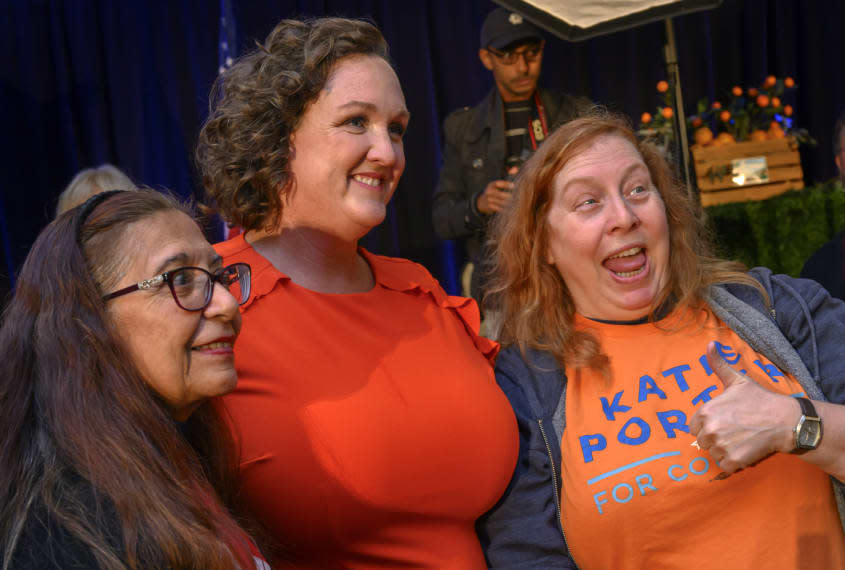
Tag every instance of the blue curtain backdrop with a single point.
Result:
(84, 82)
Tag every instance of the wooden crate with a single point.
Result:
(713, 170)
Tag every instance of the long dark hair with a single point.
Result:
(75, 408)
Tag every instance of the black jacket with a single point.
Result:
(473, 155)
(827, 266)
(46, 544)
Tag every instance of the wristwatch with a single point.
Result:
(808, 432)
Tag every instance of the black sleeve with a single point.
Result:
(454, 212)
(45, 545)
(827, 266)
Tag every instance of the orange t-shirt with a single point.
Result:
(636, 494)
(373, 433)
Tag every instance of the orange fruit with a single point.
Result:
(763, 100)
(696, 122)
(645, 118)
(662, 86)
(757, 135)
(770, 81)
(725, 116)
(775, 134)
(716, 105)
(787, 110)
(726, 138)
(703, 136)
(775, 102)
(737, 91)
(789, 82)
(752, 91)
(667, 112)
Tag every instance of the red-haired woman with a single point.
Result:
(120, 330)
(670, 404)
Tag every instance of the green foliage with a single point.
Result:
(779, 233)
(836, 207)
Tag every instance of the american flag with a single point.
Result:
(227, 51)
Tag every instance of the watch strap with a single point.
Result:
(807, 407)
(808, 412)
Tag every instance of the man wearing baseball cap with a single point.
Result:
(485, 145)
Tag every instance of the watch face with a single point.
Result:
(809, 434)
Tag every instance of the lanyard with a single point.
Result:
(541, 111)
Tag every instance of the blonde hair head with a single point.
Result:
(92, 181)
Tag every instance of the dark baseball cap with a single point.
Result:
(502, 27)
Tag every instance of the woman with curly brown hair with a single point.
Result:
(670, 404)
(377, 435)
(111, 456)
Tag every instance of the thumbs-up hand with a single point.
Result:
(745, 422)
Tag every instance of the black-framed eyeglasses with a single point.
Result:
(530, 52)
(193, 287)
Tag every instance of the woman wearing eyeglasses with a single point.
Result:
(121, 328)
(372, 430)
